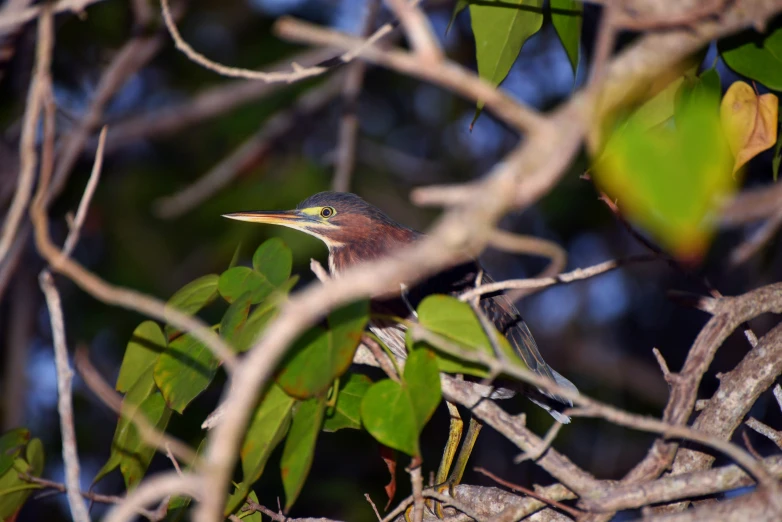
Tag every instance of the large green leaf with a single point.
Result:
(455, 321)
(268, 427)
(422, 380)
(184, 370)
(500, 28)
(567, 17)
(136, 455)
(239, 280)
(395, 413)
(193, 297)
(388, 416)
(320, 356)
(274, 261)
(145, 346)
(243, 338)
(671, 179)
(300, 447)
(347, 410)
(128, 451)
(11, 445)
(240, 329)
(756, 56)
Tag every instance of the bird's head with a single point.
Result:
(336, 218)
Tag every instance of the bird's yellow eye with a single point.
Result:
(327, 212)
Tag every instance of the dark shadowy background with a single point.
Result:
(599, 333)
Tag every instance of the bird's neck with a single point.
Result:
(370, 248)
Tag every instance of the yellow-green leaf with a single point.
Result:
(320, 356)
(184, 370)
(567, 17)
(299, 447)
(500, 28)
(671, 179)
(145, 346)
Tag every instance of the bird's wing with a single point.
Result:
(506, 318)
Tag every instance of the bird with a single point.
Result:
(355, 231)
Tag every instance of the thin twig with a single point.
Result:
(89, 191)
(778, 395)
(70, 455)
(745, 250)
(374, 507)
(209, 103)
(29, 159)
(515, 487)
(568, 277)
(89, 495)
(551, 434)
(417, 481)
(348, 125)
(16, 18)
(773, 435)
(446, 73)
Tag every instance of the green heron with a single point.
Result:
(355, 231)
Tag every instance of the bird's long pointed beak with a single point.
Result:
(290, 218)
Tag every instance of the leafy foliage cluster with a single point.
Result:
(164, 370)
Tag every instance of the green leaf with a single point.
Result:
(567, 17)
(128, 451)
(11, 445)
(456, 322)
(136, 455)
(395, 413)
(236, 316)
(238, 280)
(756, 56)
(453, 319)
(460, 6)
(268, 427)
(300, 447)
(13, 490)
(193, 297)
(252, 328)
(388, 416)
(671, 179)
(501, 27)
(272, 264)
(145, 346)
(274, 260)
(35, 457)
(184, 370)
(248, 331)
(422, 380)
(347, 410)
(320, 356)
